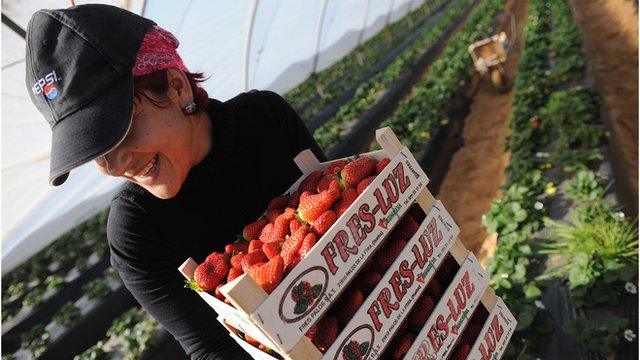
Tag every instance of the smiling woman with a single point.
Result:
(197, 169)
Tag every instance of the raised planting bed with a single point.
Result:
(324, 110)
(556, 263)
(309, 96)
(390, 82)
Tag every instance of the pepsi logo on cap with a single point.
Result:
(51, 91)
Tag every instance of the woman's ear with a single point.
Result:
(178, 90)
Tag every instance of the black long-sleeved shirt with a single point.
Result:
(256, 135)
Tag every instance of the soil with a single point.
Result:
(610, 29)
(476, 171)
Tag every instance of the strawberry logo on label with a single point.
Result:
(357, 344)
(355, 350)
(303, 295)
(420, 278)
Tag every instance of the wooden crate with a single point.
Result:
(337, 258)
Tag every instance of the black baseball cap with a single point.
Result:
(79, 75)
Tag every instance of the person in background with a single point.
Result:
(114, 91)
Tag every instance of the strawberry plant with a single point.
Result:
(585, 186)
(598, 253)
(68, 315)
(97, 289)
(569, 62)
(54, 282)
(36, 340)
(33, 298)
(95, 352)
(602, 341)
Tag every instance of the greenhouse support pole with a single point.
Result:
(364, 22)
(386, 21)
(319, 35)
(247, 47)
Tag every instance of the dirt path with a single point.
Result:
(610, 41)
(476, 171)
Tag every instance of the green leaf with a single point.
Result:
(317, 289)
(531, 291)
(525, 318)
(301, 306)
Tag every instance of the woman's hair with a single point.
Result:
(156, 83)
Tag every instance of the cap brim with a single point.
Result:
(91, 131)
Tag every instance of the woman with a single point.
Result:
(197, 169)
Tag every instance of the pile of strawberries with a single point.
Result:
(326, 330)
(275, 243)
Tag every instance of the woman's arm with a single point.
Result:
(148, 268)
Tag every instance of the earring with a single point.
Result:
(190, 108)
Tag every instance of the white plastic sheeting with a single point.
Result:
(239, 44)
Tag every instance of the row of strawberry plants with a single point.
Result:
(428, 106)
(360, 68)
(368, 93)
(563, 122)
(37, 339)
(328, 83)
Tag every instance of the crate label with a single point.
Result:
(375, 323)
(439, 334)
(306, 293)
(495, 334)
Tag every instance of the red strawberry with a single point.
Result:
(354, 300)
(310, 183)
(335, 184)
(461, 351)
(236, 247)
(255, 244)
(416, 212)
(272, 249)
(215, 256)
(349, 195)
(334, 168)
(265, 234)
(234, 273)
(218, 294)
(278, 202)
(209, 275)
(357, 170)
(312, 206)
(324, 222)
(272, 214)
(362, 185)
(323, 184)
(280, 228)
(293, 262)
(294, 199)
(236, 260)
(405, 229)
(294, 225)
(385, 256)
(403, 346)
(381, 165)
(434, 289)
(471, 333)
(252, 231)
(252, 258)
(421, 311)
(367, 281)
(269, 274)
(312, 332)
(327, 333)
(307, 244)
(447, 270)
(292, 244)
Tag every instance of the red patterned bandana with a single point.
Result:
(157, 52)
